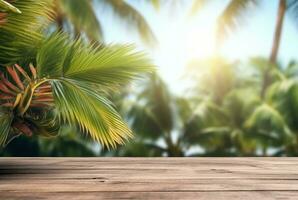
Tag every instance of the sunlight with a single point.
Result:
(179, 45)
(199, 42)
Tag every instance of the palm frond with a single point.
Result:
(153, 117)
(145, 123)
(69, 66)
(93, 113)
(5, 126)
(133, 18)
(292, 6)
(82, 16)
(232, 16)
(158, 100)
(21, 33)
(7, 7)
(109, 66)
(285, 95)
(267, 122)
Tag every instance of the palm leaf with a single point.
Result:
(267, 122)
(76, 70)
(285, 95)
(82, 16)
(21, 33)
(7, 7)
(144, 122)
(94, 114)
(5, 125)
(232, 16)
(112, 65)
(128, 13)
(292, 6)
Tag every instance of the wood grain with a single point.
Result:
(149, 178)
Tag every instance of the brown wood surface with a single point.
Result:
(149, 178)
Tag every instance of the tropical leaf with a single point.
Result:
(5, 126)
(93, 113)
(267, 123)
(239, 104)
(82, 16)
(292, 7)
(22, 33)
(73, 97)
(144, 122)
(232, 16)
(157, 98)
(285, 96)
(7, 7)
(153, 117)
(109, 66)
(134, 19)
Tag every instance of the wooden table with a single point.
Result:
(148, 178)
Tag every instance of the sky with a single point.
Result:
(183, 38)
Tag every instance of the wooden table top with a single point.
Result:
(148, 178)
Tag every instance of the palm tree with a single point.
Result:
(282, 94)
(239, 121)
(232, 16)
(51, 80)
(222, 101)
(154, 119)
(80, 16)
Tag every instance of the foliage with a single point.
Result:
(80, 16)
(60, 80)
(224, 114)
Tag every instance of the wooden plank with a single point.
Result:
(218, 195)
(149, 178)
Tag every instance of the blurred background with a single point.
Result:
(225, 85)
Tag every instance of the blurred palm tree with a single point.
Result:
(234, 13)
(154, 119)
(222, 102)
(80, 17)
(238, 121)
(283, 95)
(232, 16)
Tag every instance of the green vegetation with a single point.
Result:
(52, 80)
(53, 84)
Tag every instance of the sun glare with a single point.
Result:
(181, 44)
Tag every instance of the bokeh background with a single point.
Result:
(225, 83)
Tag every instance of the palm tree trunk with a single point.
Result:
(278, 29)
(276, 42)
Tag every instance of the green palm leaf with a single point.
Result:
(5, 124)
(76, 71)
(267, 123)
(21, 33)
(7, 7)
(232, 15)
(109, 66)
(93, 113)
(128, 13)
(82, 16)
